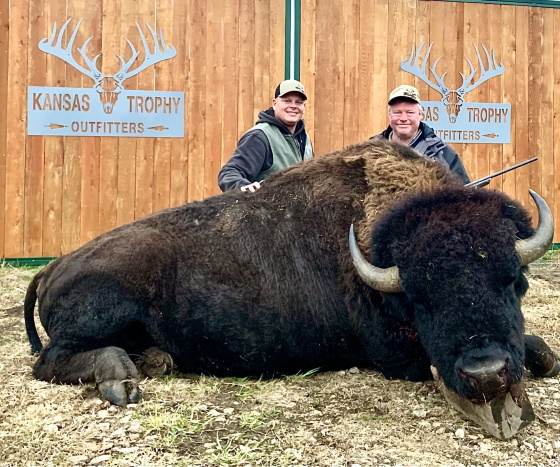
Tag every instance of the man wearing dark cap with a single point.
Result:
(277, 141)
(406, 126)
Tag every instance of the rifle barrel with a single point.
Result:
(477, 182)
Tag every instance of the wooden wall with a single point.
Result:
(350, 60)
(58, 192)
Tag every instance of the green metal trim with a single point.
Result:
(287, 39)
(297, 38)
(535, 3)
(25, 262)
(296, 33)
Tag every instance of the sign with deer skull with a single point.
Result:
(107, 108)
(453, 118)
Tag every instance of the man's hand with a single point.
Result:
(252, 187)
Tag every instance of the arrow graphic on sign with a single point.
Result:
(158, 128)
(491, 135)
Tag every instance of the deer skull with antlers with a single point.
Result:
(108, 86)
(452, 98)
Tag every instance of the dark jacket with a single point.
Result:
(254, 154)
(431, 146)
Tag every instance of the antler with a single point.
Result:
(65, 53)
(413, 66)
(485, 73)
(162, 51)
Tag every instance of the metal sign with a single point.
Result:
(106, 109)
(453, 118)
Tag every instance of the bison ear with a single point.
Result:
(393, 231)
(513, 211)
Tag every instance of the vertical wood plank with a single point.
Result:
(232, 87)
(126, 177)
(329, 108)
(535, 100)
(72, 168)
(145, 146)
(16, 130)
(351, 102)
(89, 203)
(54, 146)
(556, 125)
(215, 98)
(196, 98)
(163, 82)
(337, 82)
(381, 86)
(263, 83)
(180, 71)
(276, 28)
(323, 108)
(495, 91)
(308, 64)
(546, 153)
(4, 35)
(481, 93)
(247, 56)
(521, 92)
(421, 35)
(365, 111)
(508, 94)
(438, 39)
(469, 152)
(453, 54)
(109, 146)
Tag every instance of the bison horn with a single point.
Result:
(531, 249)
(384, 280)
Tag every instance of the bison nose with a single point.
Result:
(485, 374)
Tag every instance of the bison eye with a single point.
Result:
(521, 285)
(508, 279)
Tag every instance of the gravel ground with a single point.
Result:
(354, 417)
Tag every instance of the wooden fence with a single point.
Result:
(351, 55)
(57, 192)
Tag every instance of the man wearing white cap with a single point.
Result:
(277, 141)
(406, 126)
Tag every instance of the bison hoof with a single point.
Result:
(555, 371)
(120, 392)
(154, 362)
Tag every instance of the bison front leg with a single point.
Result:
(540, 359)
(109, 367)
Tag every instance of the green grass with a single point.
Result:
(552, 255)
(171, 424)
(298, 377)
(254, 419)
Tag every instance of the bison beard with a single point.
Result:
(263, 283)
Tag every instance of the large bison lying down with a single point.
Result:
(264, 283)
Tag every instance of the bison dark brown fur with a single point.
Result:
(263, 283)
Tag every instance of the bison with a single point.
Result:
(266, 284)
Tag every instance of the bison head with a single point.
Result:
(452, 262)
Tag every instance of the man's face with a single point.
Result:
(404, 118)
(289, 109)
